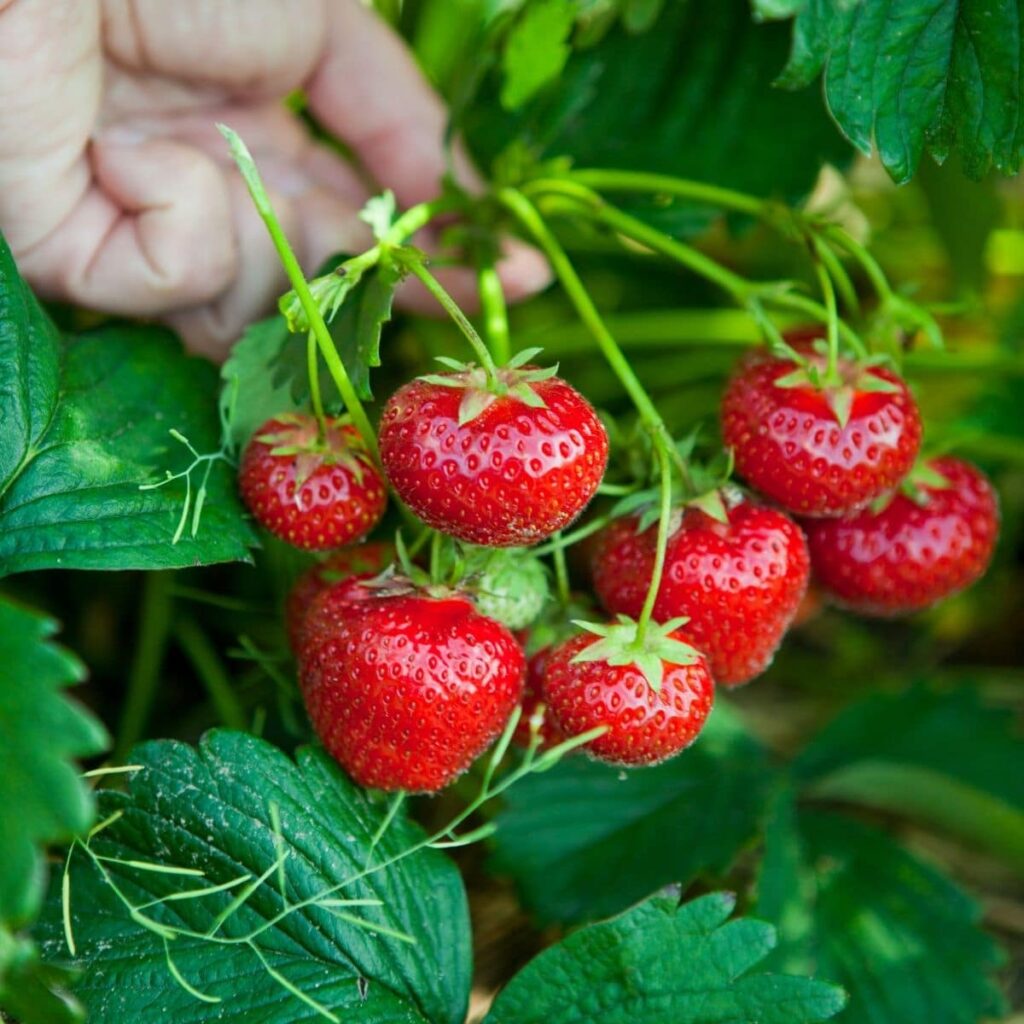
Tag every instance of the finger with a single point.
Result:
(317, 223)
(153, 232)
(369, 91)
(523, 271)
(251, 47)
(212, 328)
(50, 80)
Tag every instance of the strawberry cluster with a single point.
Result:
(408, 678)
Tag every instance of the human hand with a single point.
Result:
(117, 192)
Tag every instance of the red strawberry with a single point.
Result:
(652, 703)
(739, 582)
(503, 470)
(406, 690)
(314, 492)
(533, 697)
(362, 561)
(791, 444)
(912, 553)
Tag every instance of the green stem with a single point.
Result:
(247, 167)
(561, 541)
(875, 274)
(492, 302)
(828, 291)
(313, 371)
(636, 229)
(201, 653)
(436, 289)
(154, 626)
(664, 522)
(578, 295)
(638, 181)
(561, 571)
(419, 216)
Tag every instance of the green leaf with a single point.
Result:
(86, 421)
(265, 376)
(940, 758)
(663, 962)
(357, 327)
(690, 97)
(242, 812)
(42, 797)
(379, 212)
(585, 840)
(910, 74)
(536, 49)
(901, 938)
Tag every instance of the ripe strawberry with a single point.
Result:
(912, 553)
(652, 703)
(502, 470)
(360, 560)
(406, 690)
(533, 697)
(819, 451)
(739, 582)
(314, 492)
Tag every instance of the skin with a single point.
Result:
(117, 192)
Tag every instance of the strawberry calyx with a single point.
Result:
(622, 643)
(483, 387)
(916, 486)
(301, 437)
(839, 381)
(707, 487)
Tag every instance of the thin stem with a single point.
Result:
(561, 572)
(842, 238)
(664, 522)
(154, 626)
(203, 656)
(291, 266)
(829, 292)
(658, 241)
(492, 302)
(419, 216)
(436, 289)
(532, 221)
(697, 191)
(561, 541)
(313, 371)
(436, 539)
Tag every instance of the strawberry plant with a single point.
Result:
(646, 650)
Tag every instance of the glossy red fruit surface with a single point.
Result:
(645, 726)
(360, 560)
(405, 691)
(739, 583)
(790, 445)
(909, 556)
(317, 494)
(511, 476)
(533, 697)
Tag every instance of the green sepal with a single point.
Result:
(474, 403)
(523, 357)
(840, 401)
(619, 645)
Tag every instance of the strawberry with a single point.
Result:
(918, 549)
(503, 464)
(361, 560)
(506, 584)
(652, 701)
(403, 688)
(314, 492)
(533, 697)
(739, 581)
(819, 448)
